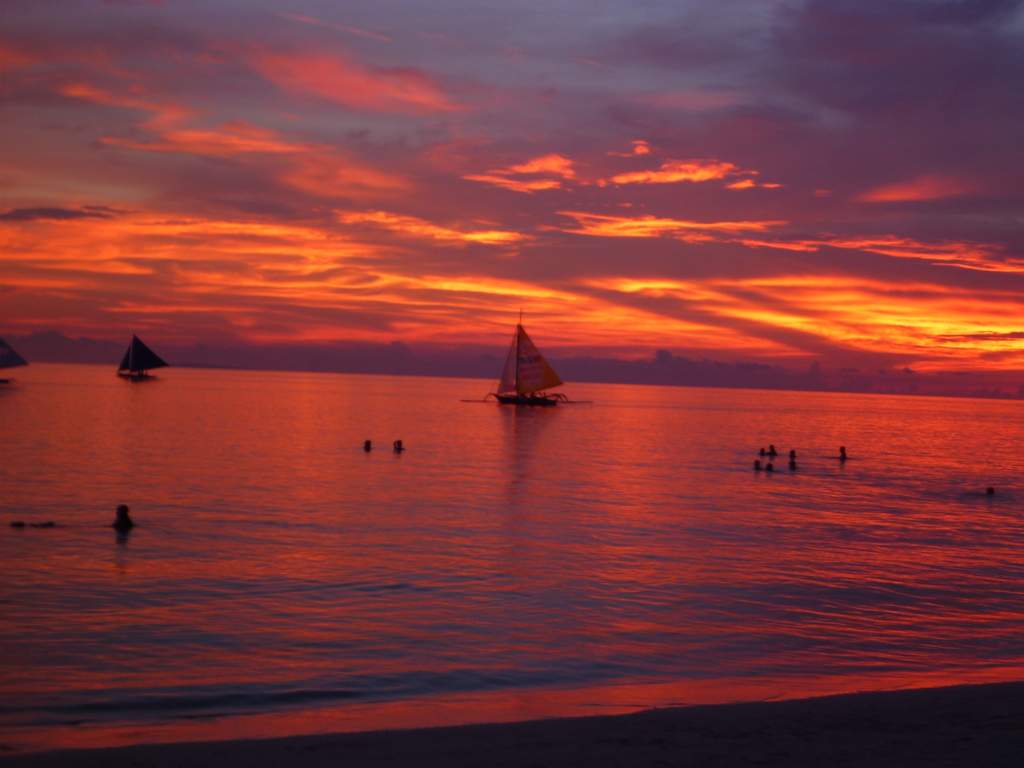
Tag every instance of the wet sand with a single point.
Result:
(975, 725)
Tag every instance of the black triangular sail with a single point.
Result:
(9, 358)
(140, 358)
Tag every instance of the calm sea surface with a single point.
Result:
(511, 563)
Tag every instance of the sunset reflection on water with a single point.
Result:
(511, 563)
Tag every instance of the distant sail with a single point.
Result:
(139, 358)
(526, 370)
(9, 358)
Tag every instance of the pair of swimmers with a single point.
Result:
(397, 445)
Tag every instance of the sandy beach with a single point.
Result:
(973, 725)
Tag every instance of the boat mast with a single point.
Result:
(516, 342)
(519, 329)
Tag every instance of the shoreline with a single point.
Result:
(948, 726)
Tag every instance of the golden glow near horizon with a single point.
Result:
(924, 320)
(340, 179)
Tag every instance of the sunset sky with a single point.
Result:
(838, 181)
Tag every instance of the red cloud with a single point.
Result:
(228, 139)
(330, 175)
(403, 91)
(12, 57)
(313, 168)
(922, 188)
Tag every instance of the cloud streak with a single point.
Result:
(402, 90)
(672, 171)
(512, 177)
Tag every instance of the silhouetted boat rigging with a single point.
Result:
(9, 359)
(527, 375)
(138, 360)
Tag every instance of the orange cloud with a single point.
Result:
(750, 184)
(681, 170)
(922, 188)
(517, 185)
(650, 226)
(554, 165)
(404, 91)
(412, 226)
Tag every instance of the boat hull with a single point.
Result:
(541, 400)
(135, 375)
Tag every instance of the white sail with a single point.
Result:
(533, 373)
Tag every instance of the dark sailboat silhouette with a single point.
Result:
(138, 360)
(526, 375)
(9, 359)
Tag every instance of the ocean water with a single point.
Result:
(510, 563)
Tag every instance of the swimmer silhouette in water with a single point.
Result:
(990, 491)
(792, 455)
(762, 452)
(769, 467)
(771, 451)
(842, 453)
(398, 446)
(792, 465)
(757, 465)
(367, 445)
(123, 523)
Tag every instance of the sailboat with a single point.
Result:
(9, 359)
(138, 360)
(526, 375)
